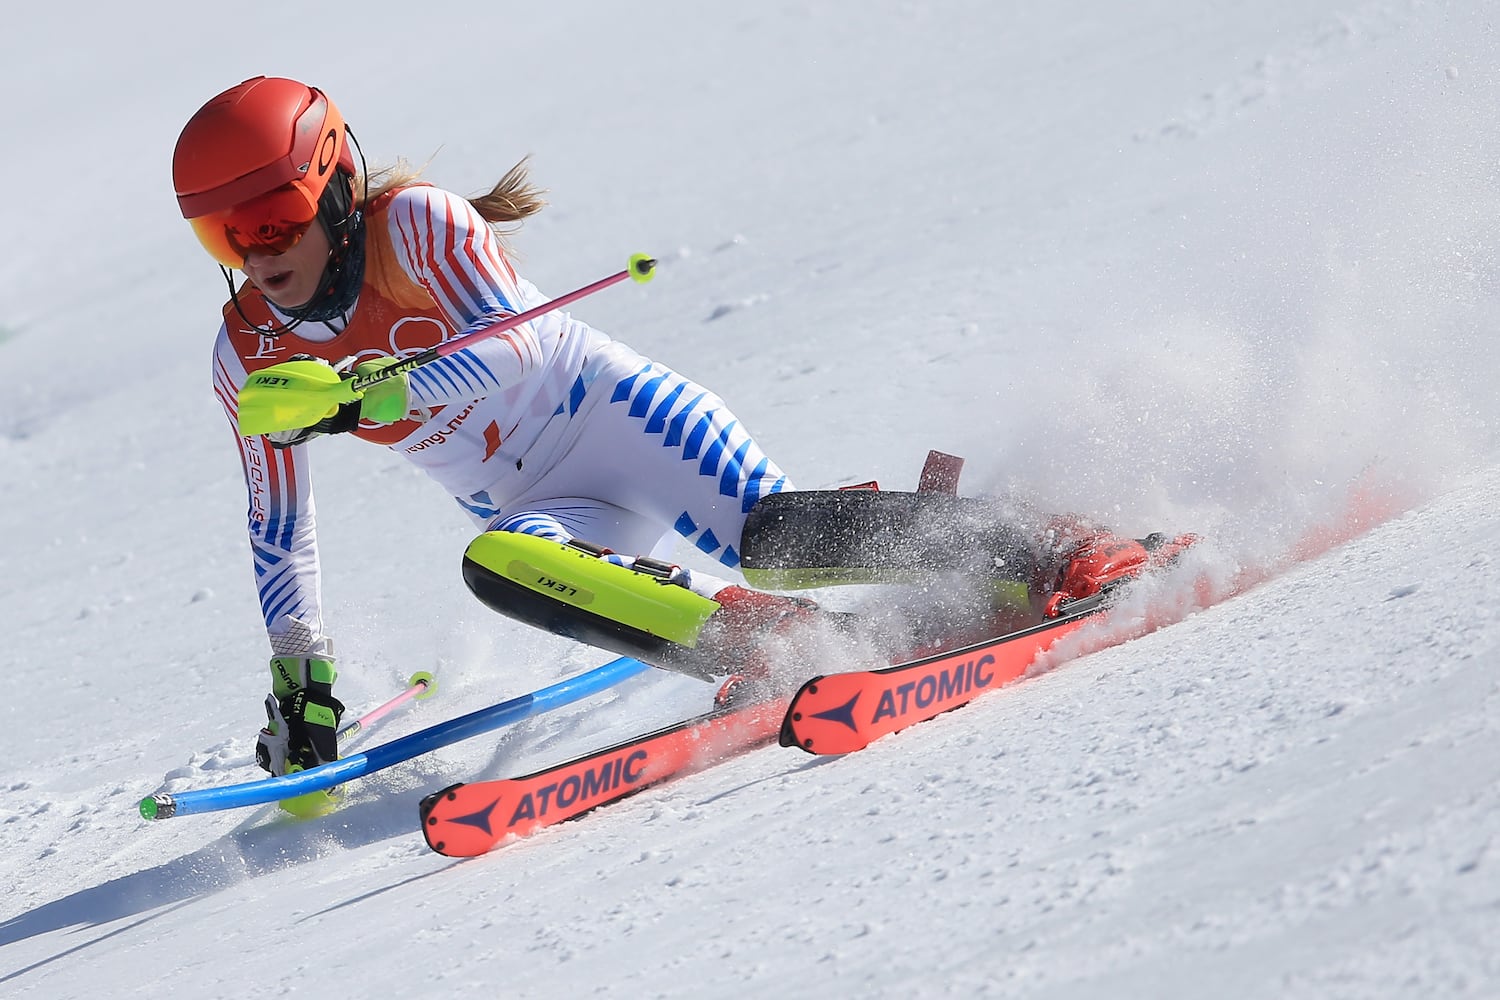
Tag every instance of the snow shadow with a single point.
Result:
(264, 844)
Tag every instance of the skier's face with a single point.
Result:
(290, 279)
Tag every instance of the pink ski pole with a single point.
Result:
(639, 270)
(419, 687)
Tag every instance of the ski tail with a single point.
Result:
(469, 819)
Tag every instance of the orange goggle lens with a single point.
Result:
(270, 223)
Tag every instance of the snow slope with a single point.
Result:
(1176, 264)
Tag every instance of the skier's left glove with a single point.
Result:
(302, 715)
(384, 402)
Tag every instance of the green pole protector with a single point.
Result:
(291, 395)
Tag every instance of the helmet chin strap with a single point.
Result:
(299, 315)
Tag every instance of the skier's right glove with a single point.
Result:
(382, 403)
(302, 715)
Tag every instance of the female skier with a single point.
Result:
(526, 429)
(549, 428)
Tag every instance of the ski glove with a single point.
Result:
(382, 403)
(302, 715)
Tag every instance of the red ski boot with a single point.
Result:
(745, 620)
(1103, 560)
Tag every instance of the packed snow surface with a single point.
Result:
(1175, 264)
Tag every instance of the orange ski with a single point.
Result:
(841, 713)
(466, 820)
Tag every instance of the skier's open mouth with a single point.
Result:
(277, 281)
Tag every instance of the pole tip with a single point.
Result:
(642, 267)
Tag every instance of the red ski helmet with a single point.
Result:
(250, 166)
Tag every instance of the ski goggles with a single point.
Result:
(270, 223)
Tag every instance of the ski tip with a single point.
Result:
(427, 681)
(642, 268)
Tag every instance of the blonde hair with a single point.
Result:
(512, 199)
